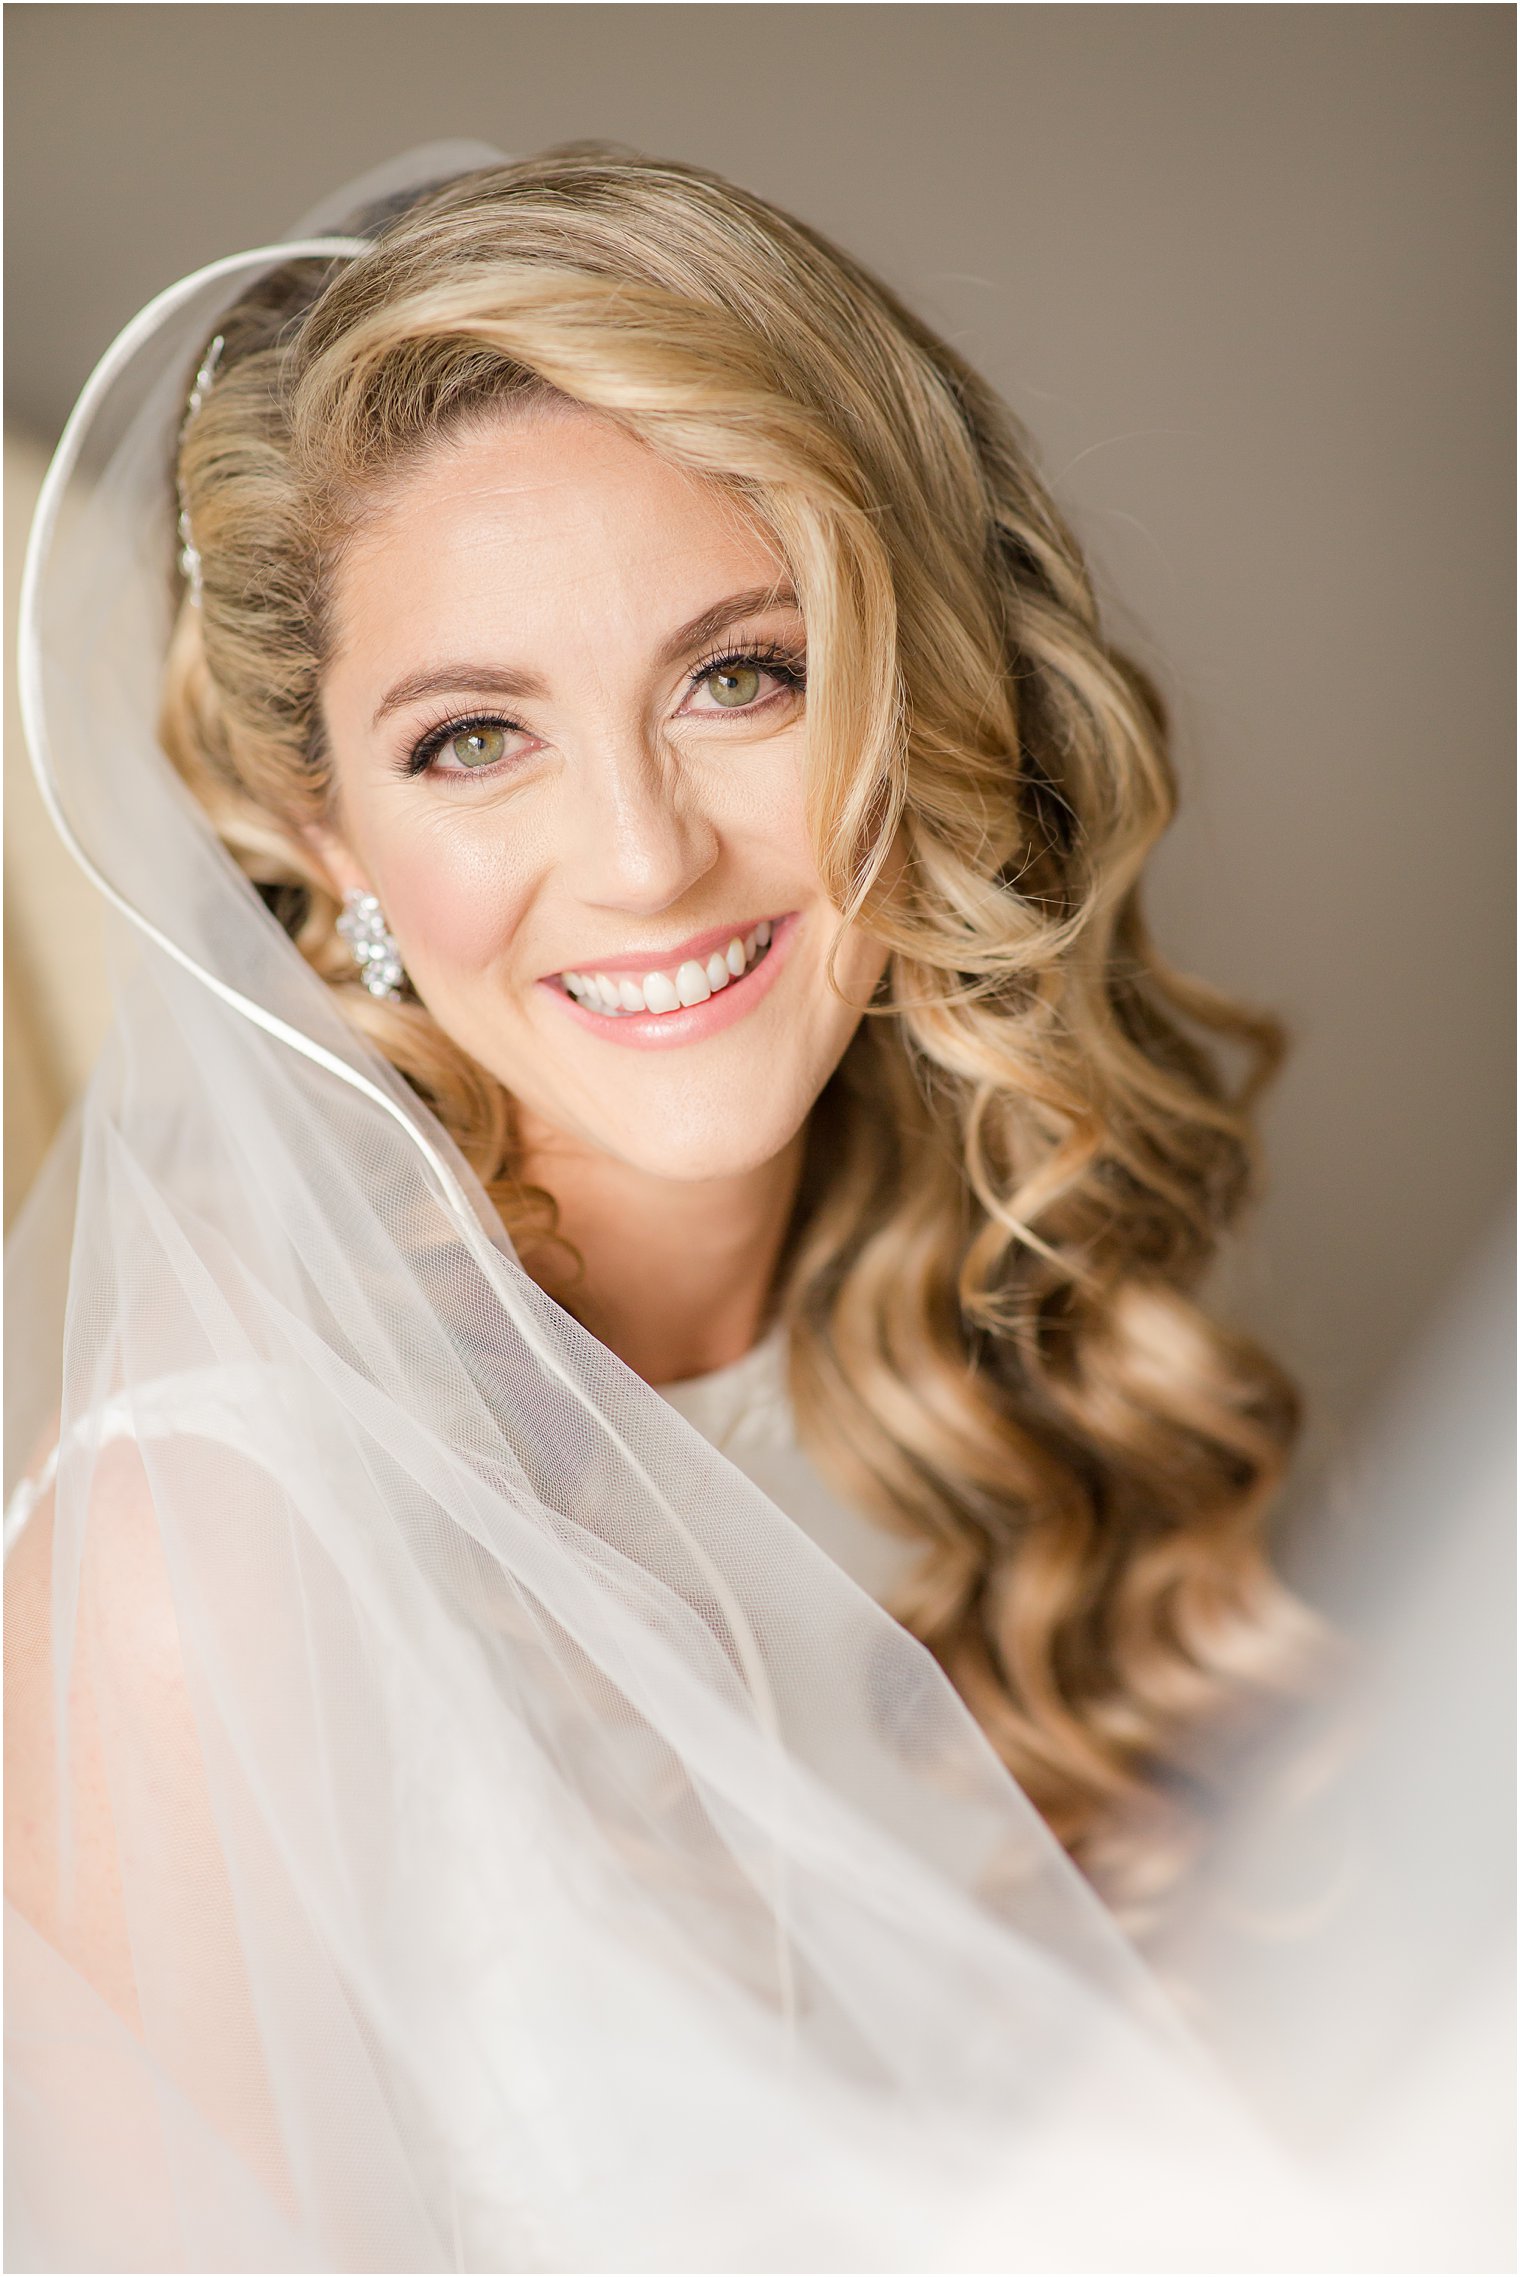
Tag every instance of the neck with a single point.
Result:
(678, 1273)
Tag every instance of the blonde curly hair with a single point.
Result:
(1026, 1159)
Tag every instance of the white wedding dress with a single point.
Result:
(744, 1411)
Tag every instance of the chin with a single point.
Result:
(691, 1157)
(681, 1118)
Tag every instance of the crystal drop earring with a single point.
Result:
(363, 927)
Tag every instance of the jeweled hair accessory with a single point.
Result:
(189, 556)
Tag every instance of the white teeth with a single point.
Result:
(692, 983)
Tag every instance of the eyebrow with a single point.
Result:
(499, 680)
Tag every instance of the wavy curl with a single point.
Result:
(1030, 1151)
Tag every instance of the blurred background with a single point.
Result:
(1246, 274)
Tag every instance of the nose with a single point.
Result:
(636, 837)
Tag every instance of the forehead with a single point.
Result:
(539, 524)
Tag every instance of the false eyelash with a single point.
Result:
(433, 739)
(785, 663)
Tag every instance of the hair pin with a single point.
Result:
(189, 553)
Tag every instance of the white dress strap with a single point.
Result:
(202, 1403)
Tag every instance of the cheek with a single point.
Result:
(453, 898)
(768, 802)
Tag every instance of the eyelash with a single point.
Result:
(782, 663)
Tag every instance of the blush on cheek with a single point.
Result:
(450, 916)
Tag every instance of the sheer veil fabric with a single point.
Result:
(529, 1850)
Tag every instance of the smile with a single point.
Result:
(674, 988)
(703, 987)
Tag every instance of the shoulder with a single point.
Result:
(104, 1612)
(89, 1594)
(123, 1774)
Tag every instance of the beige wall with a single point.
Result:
(55, 994)
(1246, 273)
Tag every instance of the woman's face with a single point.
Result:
(568, 732)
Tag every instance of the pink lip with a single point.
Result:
(700, 946)
(660, 1031)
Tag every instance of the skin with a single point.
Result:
(625, 808)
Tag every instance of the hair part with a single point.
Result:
(1026, 1160)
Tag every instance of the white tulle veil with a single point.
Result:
(533, 1852)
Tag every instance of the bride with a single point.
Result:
(680, 931)
(668, 649)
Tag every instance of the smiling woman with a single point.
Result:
(639, 668)
(623, 858)
(632, 445)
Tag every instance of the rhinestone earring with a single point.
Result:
(363, 927)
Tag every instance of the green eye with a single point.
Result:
(478, 746)
(735, 684)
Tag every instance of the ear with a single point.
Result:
(341, 872)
